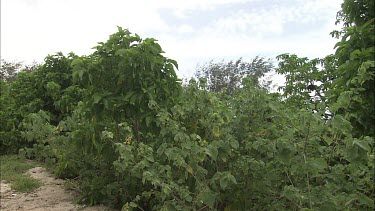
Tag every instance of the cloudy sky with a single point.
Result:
(190, 31)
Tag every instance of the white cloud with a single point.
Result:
(273, 19)
(183, 7)
(185, 29)
(260, 32)
(31, 29)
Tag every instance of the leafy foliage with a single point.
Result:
(120, 124)
(343, 83)
(9, 70)
(8, 133)
(307, 81)
(355, 74)
(33, 91)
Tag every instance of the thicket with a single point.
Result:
(120, 124)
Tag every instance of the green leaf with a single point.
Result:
(29, 136)
(362, 144)
(120, 52)
(207, 197)
(106, 103)
(291, 192)
(216, 131)
(76, 62)
(286, 150)
(273, 106)
(128, 95)
(152, 104)
(343, 100)
(227, 179)
(80, 73)
(211, 151)
(186, 145)
(317, 164)
(174, 63)
(223, 183)
(161, 149)
(97, 97)
(132, 204)
(355, 54)
(148, 120)
(133, 99)
(234, 144)
(342, 125)
(365, 200)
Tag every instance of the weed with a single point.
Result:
(12, 170)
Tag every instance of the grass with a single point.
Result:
(12, 171)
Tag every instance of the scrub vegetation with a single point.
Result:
(121, 126)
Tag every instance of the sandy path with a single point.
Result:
(51, 196)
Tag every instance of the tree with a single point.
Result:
(354, 88)
(307, 81)
(348, 96)
(344, 82)
(9, 70)
(141, 76)
(229, 75)
(136, 140)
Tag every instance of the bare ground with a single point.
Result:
(51, 196)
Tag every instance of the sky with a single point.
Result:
(192, 32)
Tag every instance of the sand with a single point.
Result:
(51, 196)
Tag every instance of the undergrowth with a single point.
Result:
(13, 170)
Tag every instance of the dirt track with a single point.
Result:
(51, 196)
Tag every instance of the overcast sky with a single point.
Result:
(189, 31)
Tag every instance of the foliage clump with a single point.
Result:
(119, 123)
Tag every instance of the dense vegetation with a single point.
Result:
(120, 124)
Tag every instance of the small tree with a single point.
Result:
(9, 70)
(353, 87)
(229, 75)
